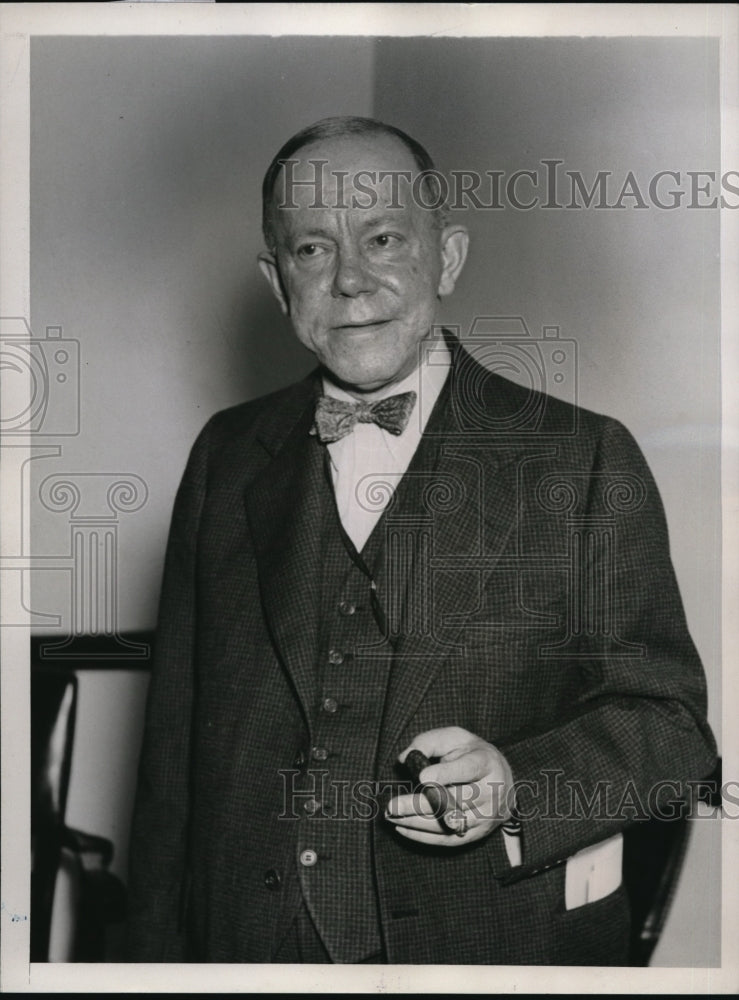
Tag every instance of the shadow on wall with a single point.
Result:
(267, 355)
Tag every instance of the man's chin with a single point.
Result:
(361, 381)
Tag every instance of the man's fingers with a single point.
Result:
(470, 766)
(424, 803)
(443, 839)
(415, 803)
(428, 838)
(471, 774)
(456, 822)
(427, 824)
(439, 742)
(405, 810)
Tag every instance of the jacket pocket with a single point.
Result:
(595, 933)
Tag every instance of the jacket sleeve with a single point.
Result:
(159, 831)
(636, 732)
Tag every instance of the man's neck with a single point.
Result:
(422, 373)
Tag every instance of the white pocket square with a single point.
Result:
(594, 872)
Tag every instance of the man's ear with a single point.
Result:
(455, 241)
(271, 271)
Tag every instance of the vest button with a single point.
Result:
(335, 657)
(319, 753)
(330, 705)
(347, 608)
(311, 806)
(308, 858)
(272, 879)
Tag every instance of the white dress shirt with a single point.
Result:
(369, 462)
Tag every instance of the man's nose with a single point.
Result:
(352, 276)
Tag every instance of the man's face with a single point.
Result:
(360, 284)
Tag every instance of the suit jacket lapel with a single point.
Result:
(284, 507)
(453, 513)
(460, 493)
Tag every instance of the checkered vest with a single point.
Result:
(334, 851)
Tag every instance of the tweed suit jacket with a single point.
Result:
(550, 625)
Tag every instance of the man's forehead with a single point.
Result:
(347, 172)
(312, 221)
(355, 153)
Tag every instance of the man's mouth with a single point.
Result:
(361, 324)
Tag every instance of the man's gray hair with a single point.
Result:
(332, 128)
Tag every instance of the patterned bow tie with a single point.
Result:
(335, 418)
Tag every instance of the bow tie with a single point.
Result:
(335, 418)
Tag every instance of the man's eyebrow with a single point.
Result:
(389, 218)
(309, 233)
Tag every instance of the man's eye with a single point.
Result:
(309, 250)
(386, 240)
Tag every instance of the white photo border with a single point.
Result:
(18, 24)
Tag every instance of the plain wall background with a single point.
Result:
(146, 162)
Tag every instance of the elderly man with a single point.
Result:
(404, 568)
